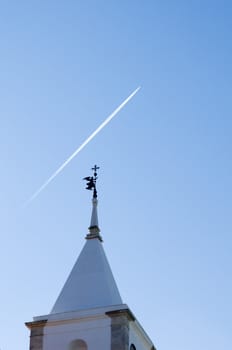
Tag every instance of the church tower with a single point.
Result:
(89, 313)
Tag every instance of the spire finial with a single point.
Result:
(94, 231)
(91, 181)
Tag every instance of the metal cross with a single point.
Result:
(95, 168)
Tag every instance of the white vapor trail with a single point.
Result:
(108, 119)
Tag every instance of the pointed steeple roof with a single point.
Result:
(91, 283)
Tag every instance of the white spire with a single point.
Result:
(94, 230)
(91, 283)
(94, 216)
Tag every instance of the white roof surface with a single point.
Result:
(90, 284)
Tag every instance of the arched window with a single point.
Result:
(78, 344)
(132, 347)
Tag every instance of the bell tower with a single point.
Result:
(89, 313)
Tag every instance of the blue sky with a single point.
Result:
(165, 177)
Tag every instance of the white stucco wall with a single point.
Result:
(138, 337)
(95, 332)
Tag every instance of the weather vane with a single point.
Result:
(91, 181)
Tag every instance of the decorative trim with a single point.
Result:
(36, 324)
(94, 233)
(122, 312)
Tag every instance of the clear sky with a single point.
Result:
(165, 179)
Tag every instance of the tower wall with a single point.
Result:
(61, 335)
(94, 329)
(138, 338)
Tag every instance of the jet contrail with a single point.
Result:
(108, 119)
